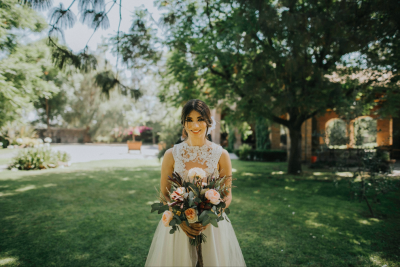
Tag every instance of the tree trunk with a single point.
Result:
(294, 164)
(47, 114)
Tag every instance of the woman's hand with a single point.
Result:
(205, 227)
(192, 230)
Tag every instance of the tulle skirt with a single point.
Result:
(220, 249)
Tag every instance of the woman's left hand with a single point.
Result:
(205, 227)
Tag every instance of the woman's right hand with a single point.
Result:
(192, 230)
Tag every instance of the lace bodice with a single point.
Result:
(205, 157)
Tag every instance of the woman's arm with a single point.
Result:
(225, 168)
(166, 170)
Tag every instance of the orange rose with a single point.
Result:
(167, 217)
(213, 196)
(191, 215)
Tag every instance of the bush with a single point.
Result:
(170, 134)
(38, 158)
(245, 152)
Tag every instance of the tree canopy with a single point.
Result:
(271, 58)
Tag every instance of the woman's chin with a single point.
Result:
(197, 135)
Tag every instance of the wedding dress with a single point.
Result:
(221, 247)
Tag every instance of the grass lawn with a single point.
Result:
(98, 214)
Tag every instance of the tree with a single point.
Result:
(21, 67)
(23, 79)
(16, 17)
(95, 15)
(271, 58)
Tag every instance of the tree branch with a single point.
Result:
(208, 14)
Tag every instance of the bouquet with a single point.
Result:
(198, 200)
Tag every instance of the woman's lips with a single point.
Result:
(196, 132)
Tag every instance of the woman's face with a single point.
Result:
(195, 125)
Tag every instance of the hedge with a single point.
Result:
(262, 155)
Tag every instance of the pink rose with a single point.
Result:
(167, 217)
(213, 196)
(178, 194)
(191, 215)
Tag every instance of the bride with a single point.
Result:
(221, 247)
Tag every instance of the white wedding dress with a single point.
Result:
(221, 247)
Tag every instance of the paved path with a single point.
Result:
(85, 153)
(94, 152)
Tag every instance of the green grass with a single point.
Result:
(98, 214)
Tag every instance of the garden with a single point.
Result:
(98, 214)
(304, 95)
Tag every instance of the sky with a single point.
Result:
(77, 36)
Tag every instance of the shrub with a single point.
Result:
(38, 158)
(245, 152)
(170, 134)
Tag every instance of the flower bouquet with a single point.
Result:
(198, 200)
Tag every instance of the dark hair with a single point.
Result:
(200, 107)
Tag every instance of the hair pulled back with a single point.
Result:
(200, 107)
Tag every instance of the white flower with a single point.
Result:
(48, 140)
(19, 140)
(204, 184)
(293, 213)
(180, 190)
(197, 172)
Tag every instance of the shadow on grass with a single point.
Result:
(98, 214)
(78, 218)
(295, 222)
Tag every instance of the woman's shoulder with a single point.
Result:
(224, 154)
(168, 155)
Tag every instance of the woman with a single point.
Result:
(221, 247)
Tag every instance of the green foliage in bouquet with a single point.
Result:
(198, 200)
(38, 158)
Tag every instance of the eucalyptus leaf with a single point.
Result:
(202, 215)
(163, 208)
(206, 221)
(172, 222)
(178, 220)
(197, 200)
(212, 215)
(214, 222)
(227, 211)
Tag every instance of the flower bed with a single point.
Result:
(39, 158)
